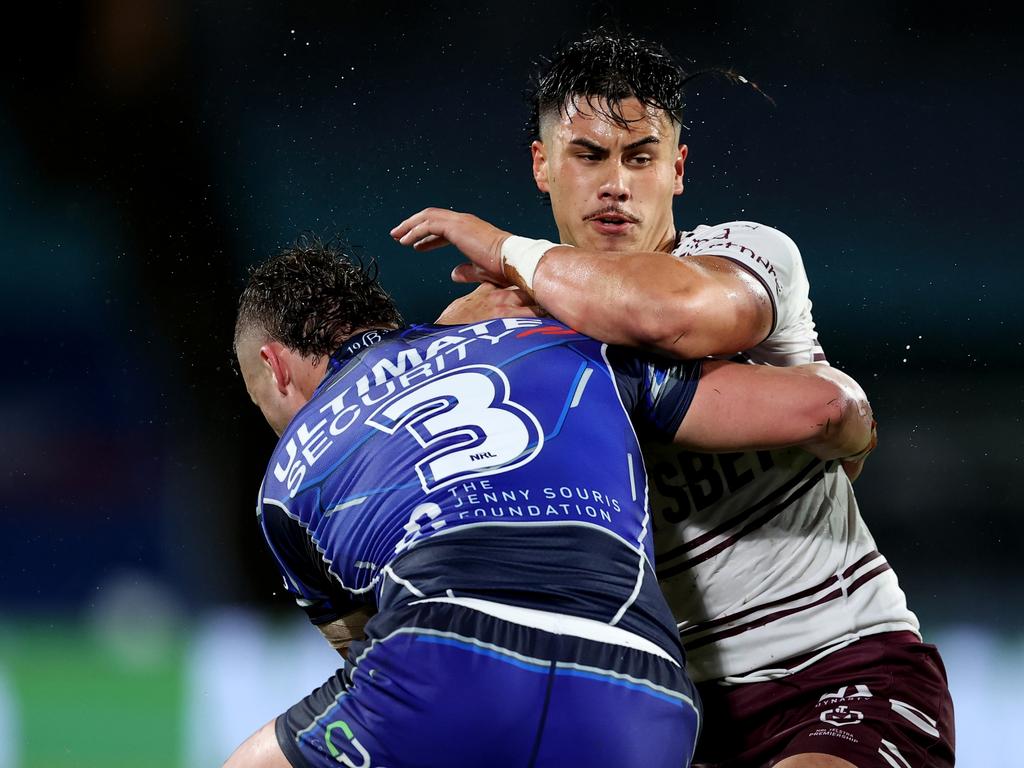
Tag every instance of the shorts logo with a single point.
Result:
(336, 753)
(841, 715)
(858, 691)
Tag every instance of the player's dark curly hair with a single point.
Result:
(312, 296)
(606, 67)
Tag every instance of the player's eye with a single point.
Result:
(641, 159)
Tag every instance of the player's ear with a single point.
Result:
(680, 162)
(272, 354)
(540, 166)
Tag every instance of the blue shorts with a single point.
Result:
(445, 685)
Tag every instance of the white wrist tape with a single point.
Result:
(521, 254)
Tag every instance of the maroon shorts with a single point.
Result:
(882, 701)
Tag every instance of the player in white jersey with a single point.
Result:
(795, 623)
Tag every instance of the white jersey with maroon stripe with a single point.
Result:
(764, 556)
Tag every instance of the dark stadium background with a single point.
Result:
(150, 151)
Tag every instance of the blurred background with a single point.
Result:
(150, 151)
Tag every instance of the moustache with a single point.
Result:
(612, 211)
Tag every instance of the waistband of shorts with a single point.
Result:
(556, 623)
(805, 660)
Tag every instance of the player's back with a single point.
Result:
(492, 461)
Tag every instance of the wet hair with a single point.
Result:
(602, 70)
(605, 68)
(312, 296)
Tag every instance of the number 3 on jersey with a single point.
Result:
(466, 423)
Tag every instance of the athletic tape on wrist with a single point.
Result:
(521, 255)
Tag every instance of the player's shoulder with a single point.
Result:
(735, 237)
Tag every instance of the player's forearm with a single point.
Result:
(845, 418)
(741, 407)
(652, 301)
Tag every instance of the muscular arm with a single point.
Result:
(752, 407)
(682, 308)
(260, 750)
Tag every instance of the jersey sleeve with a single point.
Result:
(766, 253)
(303, 568)
(656, 393)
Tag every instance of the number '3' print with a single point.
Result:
(466, 423)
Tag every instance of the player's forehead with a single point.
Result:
(590, 118)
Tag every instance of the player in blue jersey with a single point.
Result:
(462, 511)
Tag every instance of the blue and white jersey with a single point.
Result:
(495, 461)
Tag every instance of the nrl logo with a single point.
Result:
(841, 715)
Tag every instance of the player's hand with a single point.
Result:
(471, 273)
(488, 302)
(479, 241)
(854, 465)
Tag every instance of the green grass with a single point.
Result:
(84, 700)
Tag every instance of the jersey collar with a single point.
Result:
(353, 346)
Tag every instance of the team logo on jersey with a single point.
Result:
(841, 715)
(337, 754)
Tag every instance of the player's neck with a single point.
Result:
(669, 240)
(355, 342)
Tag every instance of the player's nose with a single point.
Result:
(613, 186)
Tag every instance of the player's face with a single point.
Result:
(611, 187)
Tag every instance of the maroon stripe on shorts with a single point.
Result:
(714, 637)
(749, 527)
